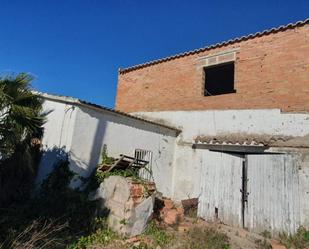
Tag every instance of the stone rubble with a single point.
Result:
(170, 213)
(130, 204)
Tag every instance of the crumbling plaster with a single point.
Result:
(93, 129)
(82, 131)
(187, 161)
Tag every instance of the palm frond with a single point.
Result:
(21, 113)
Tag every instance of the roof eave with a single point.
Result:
(79, 102)
(217, 45)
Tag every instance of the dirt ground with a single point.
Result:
(180, 238)
(238, 238)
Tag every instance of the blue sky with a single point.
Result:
(75, 47)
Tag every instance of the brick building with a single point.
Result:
(243, 108)
(270, 70)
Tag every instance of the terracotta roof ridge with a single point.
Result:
(220, 44)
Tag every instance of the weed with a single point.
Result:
(263, 244)
(159, 236)
(142, 246)
(123, 222)
(98, 175)
(102, 236)
(38, 234)
(300, 240)
(105, 158)
(206, 238)
(266, 234)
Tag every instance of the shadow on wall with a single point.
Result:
(89, 135)
(87, 144)
(49, 158)
(84, 152)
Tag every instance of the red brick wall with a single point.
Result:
(271, 71)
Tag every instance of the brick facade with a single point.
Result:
(271, 71)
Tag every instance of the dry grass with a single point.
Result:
(37, 235)
(205, 238)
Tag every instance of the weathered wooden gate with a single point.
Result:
(221, 181)
(256, 191)
(273, 194)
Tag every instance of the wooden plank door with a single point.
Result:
(221, 182)
(273, 199)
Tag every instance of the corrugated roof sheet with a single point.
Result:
(86, 103)
(224, 43)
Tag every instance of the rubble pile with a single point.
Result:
(130, 204)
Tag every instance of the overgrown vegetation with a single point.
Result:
(38, 234)
(264, 244)
(57, 214)
(106, 160)
(21, 120)
(101, 172)
(160, 236)
(300, 240)
(206, 238)
(101, 236)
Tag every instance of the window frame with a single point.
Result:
(206, 93)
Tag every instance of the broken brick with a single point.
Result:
(168, 203)
(171, 217)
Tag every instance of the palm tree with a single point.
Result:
(21, 121)
(21, 116)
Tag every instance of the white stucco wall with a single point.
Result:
(122, 135)
(58, 131)
(215, 122)
(82, 131)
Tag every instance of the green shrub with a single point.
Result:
(58, 200)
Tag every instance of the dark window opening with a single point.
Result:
(219, 79)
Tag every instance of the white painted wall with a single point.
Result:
(58, 132)
(215, 122)
(122, 135)
(83, 131)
